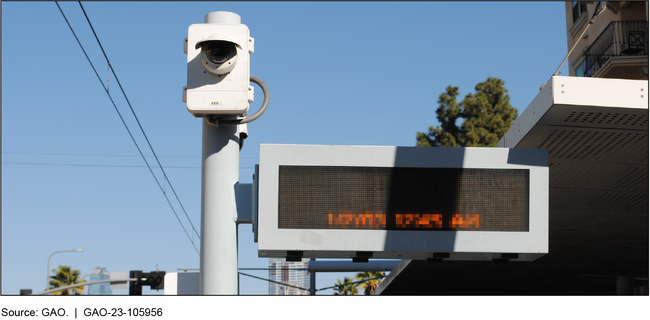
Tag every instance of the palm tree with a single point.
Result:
(65, 276)
(370, 280)
(346, 287)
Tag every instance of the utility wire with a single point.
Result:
(125, 126)
(138, 121)
(98, 165)
(90, 154)
(102, 165)
(301, 288)
(278, 282)
(349, 283)
(103, 155)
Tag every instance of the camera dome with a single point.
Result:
(218, 54)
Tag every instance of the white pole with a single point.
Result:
(219, 174)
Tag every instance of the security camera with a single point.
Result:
(218, 70)
(218, 56)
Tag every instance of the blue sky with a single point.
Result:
(339, 73)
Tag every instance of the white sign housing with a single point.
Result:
(366, 202)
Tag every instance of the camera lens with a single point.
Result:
(218, 52)
(218, 57)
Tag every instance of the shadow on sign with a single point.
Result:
(421, 193)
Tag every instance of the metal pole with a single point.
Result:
(47, 280)
(219, 174)
(312, 280)
(81, 284)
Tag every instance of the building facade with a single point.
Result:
(99, 273)
(614, 46)
(291, 273)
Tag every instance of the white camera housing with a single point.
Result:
(218, 69)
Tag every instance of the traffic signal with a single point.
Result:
(135, 287)
(218, 69)
(154, 279)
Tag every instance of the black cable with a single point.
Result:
(301, 288)
(92, 165)
(349, 283)
(123, 122)
(214, 121)
(105, 155)
(100, 165)
(280, 283)
(138, 121)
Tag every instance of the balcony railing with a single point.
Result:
(619, 39)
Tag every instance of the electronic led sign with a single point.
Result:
(401, 202)
(427, 199)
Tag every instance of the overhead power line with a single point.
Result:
(349, 283)
(301, 288)
(96, 165)
(138, 121)
(102, 165)
(90, 154)
(127, 128)
(273, 281)
(102, 155)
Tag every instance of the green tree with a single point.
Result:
(370, 280)
(65, 276)
(345, 287)
(486, 114)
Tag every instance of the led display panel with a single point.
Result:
(382, 202)
(424, 199)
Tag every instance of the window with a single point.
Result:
(587, 64)
(579, 72)
(578, 8)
